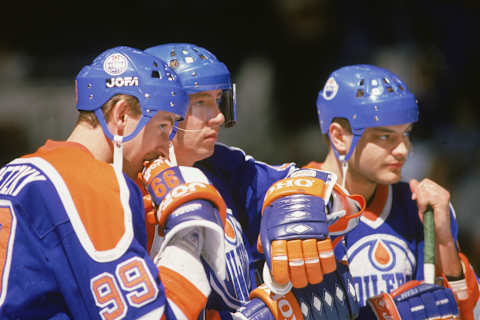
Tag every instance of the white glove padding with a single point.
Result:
(186, 202)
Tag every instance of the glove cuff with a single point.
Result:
(283, 307)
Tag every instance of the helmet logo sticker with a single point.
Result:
(115, 64)
(122, 82)
(330, 90)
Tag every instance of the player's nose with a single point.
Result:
(401, 149)
(218, 119)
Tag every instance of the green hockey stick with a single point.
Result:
(429, 249)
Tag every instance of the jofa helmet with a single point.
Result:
(367, 96)
(199, 70)
(125, 70)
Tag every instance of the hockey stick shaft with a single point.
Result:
(429, 249)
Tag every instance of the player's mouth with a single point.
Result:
(395, 165)
(213, 136)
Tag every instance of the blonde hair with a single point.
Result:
(90, 117)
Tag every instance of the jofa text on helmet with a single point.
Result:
(121, 82)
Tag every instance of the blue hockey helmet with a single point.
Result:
(125, 70)
(199, 70)
(367, 96)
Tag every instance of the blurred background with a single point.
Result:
(280, 53)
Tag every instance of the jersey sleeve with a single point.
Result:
(246, 179)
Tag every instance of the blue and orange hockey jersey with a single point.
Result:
(242, 181)
(73, 241)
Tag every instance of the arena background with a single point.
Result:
(280, 53)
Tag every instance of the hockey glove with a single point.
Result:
(415, 300)
(334, 298)
(189, 211)
(295, 227)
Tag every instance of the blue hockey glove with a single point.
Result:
(295, 227)
(334, 298)
(417, 301)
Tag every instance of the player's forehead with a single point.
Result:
(401, 128)
(206, 94)
(165, 116)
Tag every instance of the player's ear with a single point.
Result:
(340, 137)
(119, 115)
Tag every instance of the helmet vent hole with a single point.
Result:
(399, 85)
(173, 63)
(203, 57)
(155, 64)
(362, 82)
(173, 53)
(389, 89)
(386, 80)
(155, 74)
(360, 93)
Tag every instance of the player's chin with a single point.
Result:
(206, 150)
(389, 177)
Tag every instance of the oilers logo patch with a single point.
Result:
(238, 280)
(380, 263)
(330, 90)
(115, 64)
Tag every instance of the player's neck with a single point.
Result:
(94, 140)
(358, 184)
(355, 183)
(183, 157)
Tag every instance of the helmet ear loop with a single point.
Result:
(344, 158)
(117, 141)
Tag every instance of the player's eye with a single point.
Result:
(384, 137)
(199, 102)
(166, 126)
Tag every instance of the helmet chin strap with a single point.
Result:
(188, 130)
(118, 153)
(344, 169)
(171, 155)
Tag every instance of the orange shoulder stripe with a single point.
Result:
(94, 189)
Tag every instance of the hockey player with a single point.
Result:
(367, 114)
(242, 182)
(72, 227)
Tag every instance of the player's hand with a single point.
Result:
(426, 193)
(415, 300)
(334, 298)
(294, 229)
(188, 210)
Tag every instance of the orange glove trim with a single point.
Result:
(283, 307)
(294, 185)
(469, 298)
